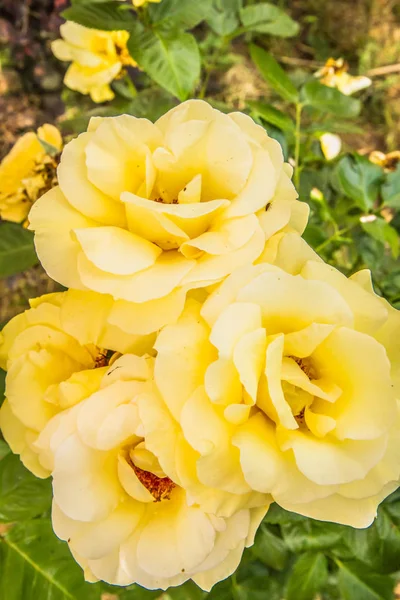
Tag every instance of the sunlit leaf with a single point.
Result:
(273, 73)
(268, 18)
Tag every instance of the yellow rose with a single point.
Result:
(290, 374)
(146, 211)
(27, 172)
(116, 462)
(97, 58)
(55, 353)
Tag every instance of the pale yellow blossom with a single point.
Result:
(98, 57)
(146, 211)
(55, 353)
(289, 384)
(118, 464)
(28, 171)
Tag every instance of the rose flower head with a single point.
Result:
(98, 57)
(28, 171)
(55, 354)
(290, 376)
(118, 495)
(144, 211)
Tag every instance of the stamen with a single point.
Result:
(159, 487)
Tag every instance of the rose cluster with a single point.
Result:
(204, 361)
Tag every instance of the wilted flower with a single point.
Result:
(143, 2)
(55, 354)
(146, 211)
(97, 58)
(388, 162)
(288, 384)
(335, 74)
(28, 171)
(331, 145)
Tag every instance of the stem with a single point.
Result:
(296, 178)
(211, 66)
(336, 235)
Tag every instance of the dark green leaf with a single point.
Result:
(267, 18)
(270, 549)
(17, 251)
(171, 59)
(4, 449)
(310, 535)
(357, 582)
(308, 575)
(381, 231)
(278, 516)
(107, 16)
(35, 565)
(224, 16)
(258, 588)
(22, 495)
(359, 179)
(184, 14)
(272, 115)
(187, 591)
(327, 99)
(273, 73)
(391, 189)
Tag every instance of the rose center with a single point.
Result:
(159, 487)
(103, 358)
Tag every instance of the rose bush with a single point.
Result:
(144, 212)
(98, 57)
(289, 380)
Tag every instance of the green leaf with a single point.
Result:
(308, 534)
(359, 179)
(278, 516)
(391, 189)
(22, 495)
(328, 99)
(172, 59)
(267, 18)
(48, 148)
(184, 14)
(17, 251)
(4, 449)
(107, 16)
(381, 231)
(272, 115)
(224, 16)
(309, 574)
(35, 565)
(273, 73)
(357, 582)
(270, 549)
